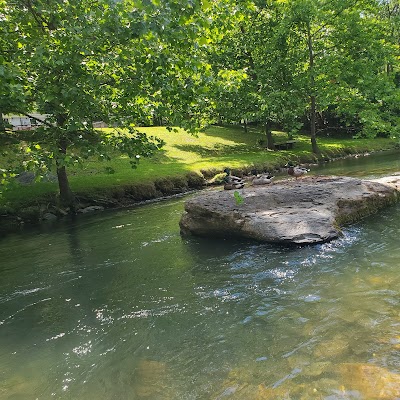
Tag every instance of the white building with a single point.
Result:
(22, 122)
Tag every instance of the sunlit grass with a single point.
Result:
(216, 148)
(213, 149)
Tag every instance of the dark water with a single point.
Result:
(119, 306)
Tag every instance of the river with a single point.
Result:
(119, 306)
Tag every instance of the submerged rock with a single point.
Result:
(309, 210)
(371, 381)
(149, 380)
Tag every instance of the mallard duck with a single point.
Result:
(231, 181)
(261, 179)
(295, 171)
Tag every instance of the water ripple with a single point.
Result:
(22, 293)
(10, 317)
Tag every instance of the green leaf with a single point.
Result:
(205, 4)
(238, 198)
(203, 41)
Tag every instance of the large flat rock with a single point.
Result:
(309, 210)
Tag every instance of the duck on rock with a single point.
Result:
(295, 171)
(231, 181)
(261, 179)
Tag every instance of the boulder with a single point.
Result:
(303, 211)
(48, 216)
(25, 178)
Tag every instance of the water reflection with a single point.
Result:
(376, 165)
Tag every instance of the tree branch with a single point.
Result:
(41, 22)
(334, 16)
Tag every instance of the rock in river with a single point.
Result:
(309, 210)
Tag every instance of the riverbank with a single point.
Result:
(187, 164)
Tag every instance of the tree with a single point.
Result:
(362, 89)
(339, 49)
(304, 57)
(81, 61)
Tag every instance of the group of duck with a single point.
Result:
(235, 182)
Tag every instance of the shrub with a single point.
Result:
(141, 191)
(180, 184)
(210, 173)
(164, 185)
(195, 181)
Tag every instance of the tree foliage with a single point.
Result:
(81, 61)
(292, 63)
(305, 60)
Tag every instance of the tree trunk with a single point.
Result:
(67, 198)
(270, 139)
(313, 107)
(313, 135)
(2, 123)
(245, 125)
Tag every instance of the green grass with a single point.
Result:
(208, 153)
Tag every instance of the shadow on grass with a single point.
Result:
(217, 150)
(236, 134)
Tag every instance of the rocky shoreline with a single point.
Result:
(47, 210)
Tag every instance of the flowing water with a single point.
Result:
(119, 306)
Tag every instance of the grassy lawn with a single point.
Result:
(212, 150)
(208, 153)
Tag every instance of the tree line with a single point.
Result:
(297, 64)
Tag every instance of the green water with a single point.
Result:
(119, 306)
